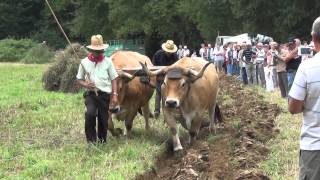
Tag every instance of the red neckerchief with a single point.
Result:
(95, 59)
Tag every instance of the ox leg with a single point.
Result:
(173, 129)
(194, 129)
(212, 119)
(114, 131)
(176, 140)
(129, 123)
(146, 115)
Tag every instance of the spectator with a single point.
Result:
(229, 57)
(163, 57)
(281, 70)
(304, 97)
(293, 61)
(194, 54)
(180, 52)
(203, 52)
(250, 67)
(210, 53)
(236, 69)
(261, 55)
(243, 72)
(219, 57)
(272, 61)
(186, 51)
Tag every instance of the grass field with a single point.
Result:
(42, 136)
(283, 161)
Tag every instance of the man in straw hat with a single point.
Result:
(98, 75)
(163, 57)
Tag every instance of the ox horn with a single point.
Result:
(195, 74)
(151, 73)
(128, 77)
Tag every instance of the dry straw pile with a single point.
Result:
(61, 75)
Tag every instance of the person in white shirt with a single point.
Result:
(180, 52)
(98, 75)
(186, 51)
(261, 55)
(219, 57)
(304, 97)
(203, 52)
(210, 53)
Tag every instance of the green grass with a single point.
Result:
(42, 134)
(282, 162)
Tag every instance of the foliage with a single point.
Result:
(12, 50)
(60, 76)
(39, 54)
(185, 21)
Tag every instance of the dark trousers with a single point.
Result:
(158, 97)
(309, 163)
(244, 75)
(283, 83)
(97, 106)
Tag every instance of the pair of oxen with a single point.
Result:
(190, 88)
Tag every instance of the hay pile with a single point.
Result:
(61, 75)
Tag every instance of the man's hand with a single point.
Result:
(90, 85)
(114, 99)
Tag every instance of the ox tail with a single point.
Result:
(218, 115)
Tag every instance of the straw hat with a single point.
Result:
(169, 46)
(97, 43)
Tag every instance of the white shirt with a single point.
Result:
(306, 87)
(218, 51)
(202, 52)
(186, 52)
(101, 74)
(261, 54)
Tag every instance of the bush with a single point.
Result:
(61, 76)
(12, 50)
(39, 54)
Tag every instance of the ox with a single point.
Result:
(134, 92)
(189, 90)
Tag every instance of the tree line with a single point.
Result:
(185, 21)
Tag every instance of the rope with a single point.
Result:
(65, 35)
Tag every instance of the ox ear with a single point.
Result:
(194, 75)
(125, 76)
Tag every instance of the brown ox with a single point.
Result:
(133, 93)
(189, 91)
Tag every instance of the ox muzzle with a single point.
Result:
(172, 103)
(115, 109)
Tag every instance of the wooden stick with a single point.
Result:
(65, 35)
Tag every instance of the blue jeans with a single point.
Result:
(244, 75)
(291, 74)
(230, 69)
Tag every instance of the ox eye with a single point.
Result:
(183, 84)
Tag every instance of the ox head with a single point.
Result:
(176, 84)
(122, 86)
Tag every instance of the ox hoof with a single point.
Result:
(116, 132)
(178, 154)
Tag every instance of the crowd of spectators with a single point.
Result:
(270, 65)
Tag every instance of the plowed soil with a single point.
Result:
(236, 149)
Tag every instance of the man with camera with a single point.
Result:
(293, 60)
(304, 97)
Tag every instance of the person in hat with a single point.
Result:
(98, 75)
(163, 57)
